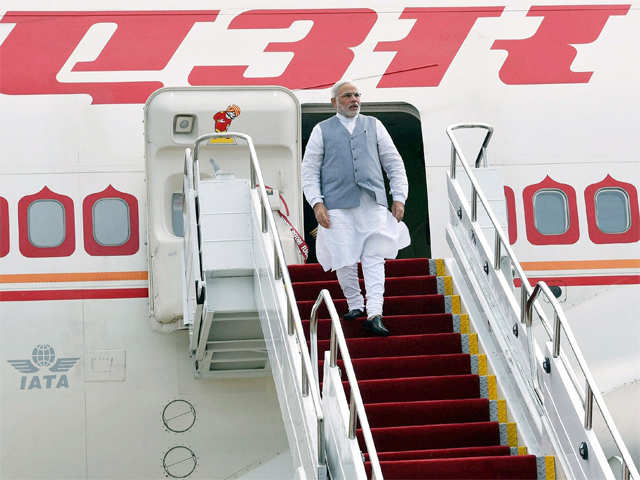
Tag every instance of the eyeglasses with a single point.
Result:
(351, 95)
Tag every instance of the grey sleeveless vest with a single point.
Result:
(350, 161)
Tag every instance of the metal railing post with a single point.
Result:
(588, 407)
(332, 348)
(321, 446)
(305, 378)
(524, 297)
(453, 162)
(474, 203)
(263, 218)
(497, 247)
(353, 418)
(556, 334)
(290, 326)
(277, 269)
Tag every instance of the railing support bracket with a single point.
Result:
(546, 365)
(584, 450)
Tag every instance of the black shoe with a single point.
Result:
(353, 314)
(374, 325)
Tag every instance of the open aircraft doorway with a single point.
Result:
(403, 123)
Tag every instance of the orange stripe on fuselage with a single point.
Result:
(72, 277)
(582, 264)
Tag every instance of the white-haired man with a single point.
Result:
(342, 180)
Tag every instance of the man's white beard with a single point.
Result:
(346, 112)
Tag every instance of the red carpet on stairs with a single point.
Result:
(423, 400)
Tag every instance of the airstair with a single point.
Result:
(220, 309)
(475, 381)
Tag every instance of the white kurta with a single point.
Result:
(369, 229)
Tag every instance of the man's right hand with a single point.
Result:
(322, 214)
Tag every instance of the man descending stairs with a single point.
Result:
(432, 408)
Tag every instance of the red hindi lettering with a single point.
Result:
(41, 43)
(320, 58)
(426, 53)
(546, 57)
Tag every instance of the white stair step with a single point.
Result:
(225, 195)
(229, 295)
(251, 345)
(225, 226)
(222, 330)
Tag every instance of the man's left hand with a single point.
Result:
(397, 210)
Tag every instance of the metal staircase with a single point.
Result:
(236, 286)
(240, 308)
(226, 338)
(540, 359)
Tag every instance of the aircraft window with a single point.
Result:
(110, 220)
(613, 215)
(612, 210)
(551, 213)
(111, 225)
(550, 209)
(46, 223)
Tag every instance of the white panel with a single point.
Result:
(43, 412)
(231, 294)
(224, 226)
(106, 366)
(220, 196)
(229, 255)
(237, 425)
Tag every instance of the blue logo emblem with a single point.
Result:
(44, 356)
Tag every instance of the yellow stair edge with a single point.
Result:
(469, 343)
(488, 387)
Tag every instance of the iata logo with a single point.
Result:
(44, 356)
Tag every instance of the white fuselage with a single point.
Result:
(559, 84)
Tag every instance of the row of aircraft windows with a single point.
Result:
(551, 209)
(551, 212)
(46, 224)
(110, 219)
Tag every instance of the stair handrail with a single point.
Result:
(195, 262)
(592, 393)
(500, 239)
(529, 297)
(280, 272)
(356, 405)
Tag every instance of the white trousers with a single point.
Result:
(373, 272)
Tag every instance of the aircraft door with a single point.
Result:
(403, 124)
(174, 118)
